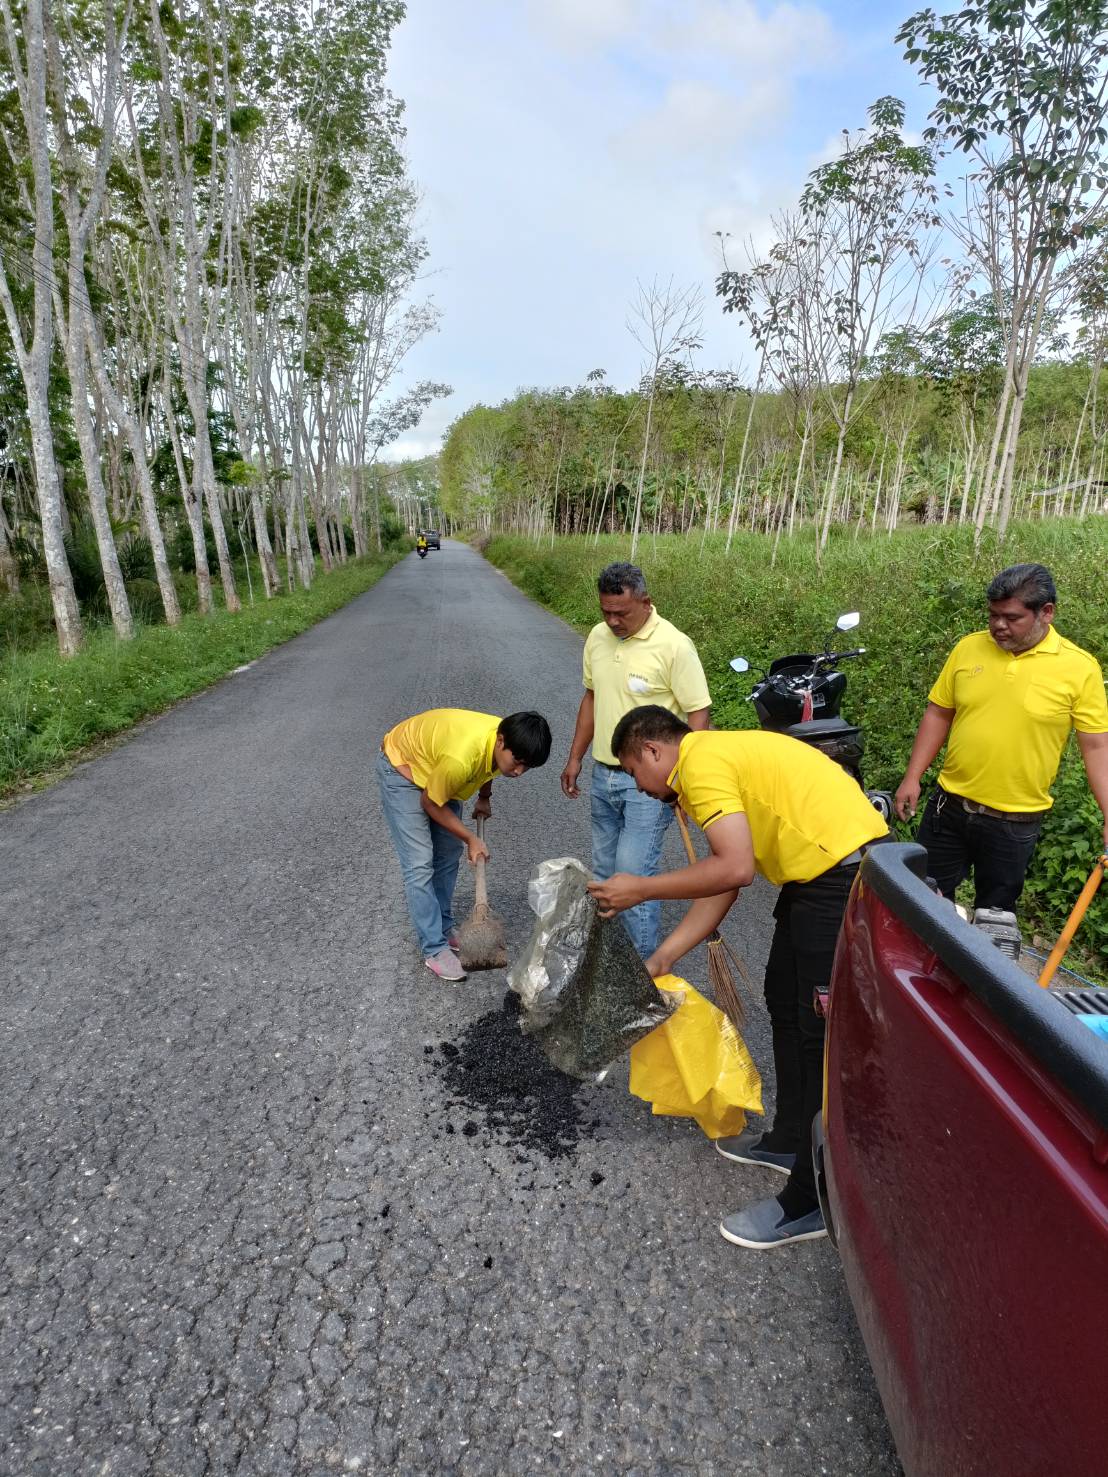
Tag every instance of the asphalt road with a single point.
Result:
(236, 1235)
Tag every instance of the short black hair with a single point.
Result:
(647, 725)
(528, 737)
(1033, 584)
(619, 578)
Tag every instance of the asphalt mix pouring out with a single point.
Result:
(502, 1076)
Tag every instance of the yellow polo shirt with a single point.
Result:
(1013, 715)
(658, 664)
(804, 811)
(448, 750)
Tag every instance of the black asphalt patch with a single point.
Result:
(525, 1101)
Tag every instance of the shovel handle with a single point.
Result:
(479, 868)
(1080, 908)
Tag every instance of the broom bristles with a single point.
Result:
(723, 982)
(481, 943)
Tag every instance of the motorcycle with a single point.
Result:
(421, 549)
(801, 696)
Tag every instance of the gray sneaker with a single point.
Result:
(764, 1225)
(743, 1149)
(446, 965)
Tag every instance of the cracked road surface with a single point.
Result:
(235, 1233)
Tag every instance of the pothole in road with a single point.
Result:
(496, 1071)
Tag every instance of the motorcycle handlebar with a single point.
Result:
(826, 660)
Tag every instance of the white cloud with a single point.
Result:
(581, 25)
(758, 38)
(567, 148)
(702, 124)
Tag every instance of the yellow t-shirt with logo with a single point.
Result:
(658, 664)
(804, 811)
(448, 750)
(1013, 715)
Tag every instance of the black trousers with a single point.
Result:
(997, 851)
(809, 916)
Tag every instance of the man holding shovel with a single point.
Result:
(429, 765)
(632, 657)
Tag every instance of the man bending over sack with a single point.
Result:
(771, 804)
(427, 766)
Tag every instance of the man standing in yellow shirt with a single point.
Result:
(771, 804)
(631, 658)
(1004, 705)
(427, 766)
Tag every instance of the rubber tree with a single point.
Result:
(82, 186)
(871, 216)
(1022, 91)
(32, 335)
(665, 322)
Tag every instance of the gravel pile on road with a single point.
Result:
(498, 1072)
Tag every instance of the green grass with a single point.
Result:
(917, 591)
(50, 708)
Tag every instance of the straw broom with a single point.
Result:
(481, 942)
(722, 959)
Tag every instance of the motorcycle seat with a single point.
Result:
(817, 728)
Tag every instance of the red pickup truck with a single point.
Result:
(963, 1165)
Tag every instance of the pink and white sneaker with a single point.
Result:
(446, 965)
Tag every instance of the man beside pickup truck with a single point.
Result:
(767, 803)
(1004, 705)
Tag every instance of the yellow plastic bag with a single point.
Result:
(696, 1065)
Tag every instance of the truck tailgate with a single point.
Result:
(966, 1137)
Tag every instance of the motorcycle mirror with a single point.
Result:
(849, 621)
(739, 664)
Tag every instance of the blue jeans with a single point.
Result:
(429, 856)
(628, 829)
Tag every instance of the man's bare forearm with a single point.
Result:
(583, 729)
(931, 735)
(443, 816)
(1094, 751)
(702, 919)
(708, 878)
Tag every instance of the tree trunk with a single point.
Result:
(125, 419)
(844, 424)
(642, 468)
(270, 577)
(67, 613)
(34, 358)
(9, 569)
(75, 335)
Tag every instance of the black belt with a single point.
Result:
(617, 767)
(971, 807)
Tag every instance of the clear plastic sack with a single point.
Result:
(585, 993)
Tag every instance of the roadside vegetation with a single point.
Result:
(917, 592)
(52, 707)
(209, 283)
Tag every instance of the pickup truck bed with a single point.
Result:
(962, 1155)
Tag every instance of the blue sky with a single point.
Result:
(567, 148)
